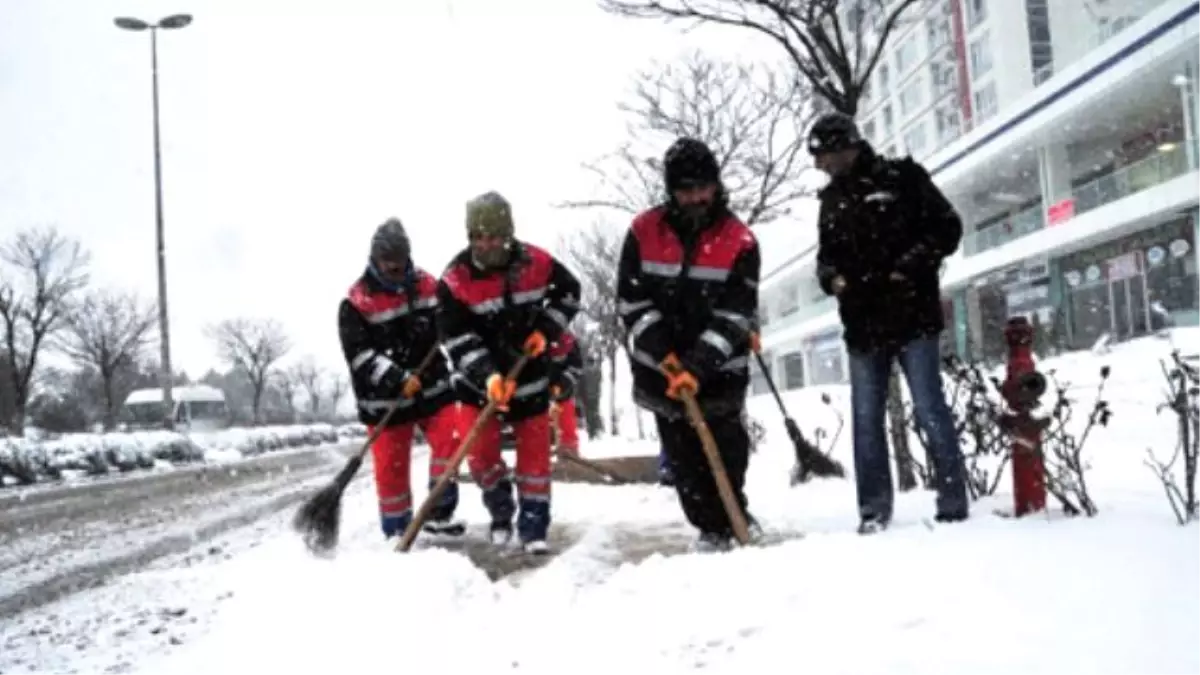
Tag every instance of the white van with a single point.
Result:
(197, 408)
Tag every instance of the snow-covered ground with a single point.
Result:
(1119, 593)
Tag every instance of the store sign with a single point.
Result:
(1124, 266)
(1060, 212)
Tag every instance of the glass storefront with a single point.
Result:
(827, 359)
(1021, 290)
(1132, 286)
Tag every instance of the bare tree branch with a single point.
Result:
(337, 389)
(109, 331)
(41, 272)
(753, 118)
(252, 347)
(309, 377)
(593, 253)
(834, 45)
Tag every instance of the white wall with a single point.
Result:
(1078, 26)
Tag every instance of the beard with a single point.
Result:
(491, 258)
(696, 216)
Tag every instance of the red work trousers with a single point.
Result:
(568, 427)
(392, 453)
(532, 436)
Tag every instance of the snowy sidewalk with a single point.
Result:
(1119, 593)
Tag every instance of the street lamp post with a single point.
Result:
(166, 374)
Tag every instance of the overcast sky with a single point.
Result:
(291, 128)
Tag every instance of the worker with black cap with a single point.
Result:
(883, 231)
(687, 289)
(387, 328)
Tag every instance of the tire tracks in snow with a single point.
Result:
(62, 540)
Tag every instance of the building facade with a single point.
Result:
(1064, 133)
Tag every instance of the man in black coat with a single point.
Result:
(884, 230)
(687, 291)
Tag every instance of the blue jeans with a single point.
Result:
(921, 363)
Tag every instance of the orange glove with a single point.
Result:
(500, 391)
(678, 379)
(535, 344)
(412, 386)
(755, 343)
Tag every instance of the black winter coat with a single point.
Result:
(484, 317)
(385, 334)
(886, 216)
(694, 294)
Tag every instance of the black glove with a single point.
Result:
(392, 382)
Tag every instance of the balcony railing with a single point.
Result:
(1019, 225)
(1142, 174)
(1128, 180)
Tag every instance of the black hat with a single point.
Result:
(689, 163)
(390, 242)
(833, 132)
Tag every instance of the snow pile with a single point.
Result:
(26, 461)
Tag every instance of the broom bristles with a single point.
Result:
(318, 520)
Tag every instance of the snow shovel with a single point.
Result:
(809, 458)
(319, 518)
(452, 468)
(737, 519)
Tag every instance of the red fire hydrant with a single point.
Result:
(1022, 390)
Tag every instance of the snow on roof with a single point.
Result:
(788, 239)
(198, 392)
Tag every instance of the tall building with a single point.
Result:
(1064, 132)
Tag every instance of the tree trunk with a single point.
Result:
(906, 478)
(110, 408)
(256, 402)
(614, 414)
(17, 425)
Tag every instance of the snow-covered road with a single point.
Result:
(62, 539)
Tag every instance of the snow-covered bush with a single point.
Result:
(26, 461)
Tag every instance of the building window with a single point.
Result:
(976, 12)
(985, 101)
(789, 301)
(949, 123)
(906, 55)
(943, 74)
(913, 97)
(793, 370)
(938, 28)
(868, 131)
(881, 73)
(887, 121)
(981, 56)
(914, 139)
(1041, 53)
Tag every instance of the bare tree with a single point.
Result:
(287, 386)
(108, 330)
(337, 389)
(593, 253)
(252, 347)
(752, 117)
(834, 45)
(309, 378)
(42, 270)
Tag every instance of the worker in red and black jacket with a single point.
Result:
(497, 299)
(687, 290)
(570, 365)
(387, 327)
